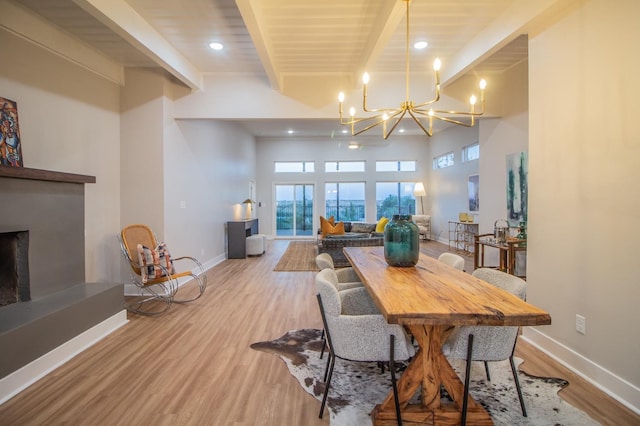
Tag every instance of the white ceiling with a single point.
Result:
(285, 40)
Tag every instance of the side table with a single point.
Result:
(507, 252)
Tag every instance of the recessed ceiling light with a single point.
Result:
(290, 131)
(353, 145)
(344, 130)
(420, 44)
(401, 130)
(216, 46)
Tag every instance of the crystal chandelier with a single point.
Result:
(391, 117)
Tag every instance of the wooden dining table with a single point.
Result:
(431, 299)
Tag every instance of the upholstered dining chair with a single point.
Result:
(153, 271)
(452, 259)
(330, 276)
(488, 343)
(344, 275)
(359, 336)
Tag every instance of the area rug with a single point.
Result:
(299, 256)
(356, 386)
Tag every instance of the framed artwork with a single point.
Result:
(10, 141)
(517, 188)
(473, 187)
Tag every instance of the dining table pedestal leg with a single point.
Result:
(427, 373)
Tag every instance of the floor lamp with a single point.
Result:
(418, 191)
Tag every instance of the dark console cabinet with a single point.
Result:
(237, 232)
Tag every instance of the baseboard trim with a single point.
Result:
(21, 379)
(616, 387)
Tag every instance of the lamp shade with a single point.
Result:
(248, 201)
(418, 190)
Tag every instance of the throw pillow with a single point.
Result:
(326, 225)
(381, 224)
(152, 262)
(328, 229)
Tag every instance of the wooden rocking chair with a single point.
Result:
(157, 278)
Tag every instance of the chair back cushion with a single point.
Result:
(326, 284)
(504, 281)
(324, 261)
(452, 259)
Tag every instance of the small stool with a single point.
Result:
(264, 238)
(255, 245)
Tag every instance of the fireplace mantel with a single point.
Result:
(47, 175)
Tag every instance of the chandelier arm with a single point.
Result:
(451, 120)
(385, 134)
(467, 113)
(417, 120)
(373, 117)
(371, 126)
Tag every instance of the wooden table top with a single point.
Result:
(437, 294)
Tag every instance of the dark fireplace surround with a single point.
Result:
(42, 228)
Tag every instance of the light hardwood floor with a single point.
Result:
(193, 366)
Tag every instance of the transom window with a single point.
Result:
(471, 152)
(445, 160)
(344, 166)
(395, 166)
(294, 167)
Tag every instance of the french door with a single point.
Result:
(293, 210)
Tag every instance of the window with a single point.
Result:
(395, 166)
(344, 166)
(345, 201)
(471, 152)
(294, 167)
(394, 198)
(443, 161)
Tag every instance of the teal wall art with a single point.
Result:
(517, 181)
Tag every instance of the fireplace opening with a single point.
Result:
(14, 267)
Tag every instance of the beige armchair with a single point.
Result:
(424, 225)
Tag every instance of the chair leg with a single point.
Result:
(392, 369)
(515, 379)
(326, 368)
(486, 369)
(326, 386)
(324, 344)
(465, 397)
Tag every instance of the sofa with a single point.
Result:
(357, 234)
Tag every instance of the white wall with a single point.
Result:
(69, 122)
(584, 157)
(321, 150)
(210, 165)
(181, 177)
(498, 139)
(447, 187)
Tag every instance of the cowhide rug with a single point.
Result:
(356, 386)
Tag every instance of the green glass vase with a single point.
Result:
(401, 241)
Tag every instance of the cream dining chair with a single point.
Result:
(488, 343)
(362, 334)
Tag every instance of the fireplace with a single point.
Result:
(44, 299)
(14, 267)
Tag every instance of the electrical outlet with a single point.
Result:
(581, 324)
